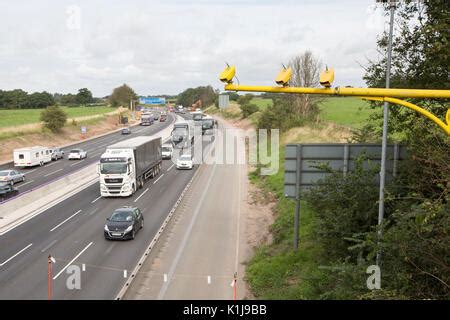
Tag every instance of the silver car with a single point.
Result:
(11, 176)
(57, 154)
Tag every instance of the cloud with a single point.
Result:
(167, 46)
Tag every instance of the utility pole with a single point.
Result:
(385, 133)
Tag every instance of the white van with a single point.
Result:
(28, 157)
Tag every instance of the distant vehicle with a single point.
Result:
(126, 130)
(156, 116)
(182, 134)
(126, 165)
(77, 154)
(167, 151)
(163, 118)
(124, 223)
(57, 154)
(28, 157)
(197, 116)
(146, 119)
(11, 177)
(198, 109)
(208, 123)
(7, 191)
(185, 162)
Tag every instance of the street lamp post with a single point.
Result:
(385, 133)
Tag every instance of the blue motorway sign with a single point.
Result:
(152, 100)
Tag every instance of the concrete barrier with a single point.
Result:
(27, 206)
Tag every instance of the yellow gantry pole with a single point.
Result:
(360, 92)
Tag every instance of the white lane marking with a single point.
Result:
(158, 179)
(78, 162)
(124, 273)
(95, 210)
(83, 267)
(170, 167)
(56, 227)
(49, 174)
(2, 264)
(141, 195)
(95, 199)
(49, 165)
(76, 257)
(209, 279)
(165, 277)
(24, 184)
(50, 245)
(26, 172)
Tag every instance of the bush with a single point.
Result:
(54, 118)
(248, 109)
(280, 116)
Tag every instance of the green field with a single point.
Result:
(262, 103)
(346, 111)
(9, 118)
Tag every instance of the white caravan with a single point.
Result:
(28, 157)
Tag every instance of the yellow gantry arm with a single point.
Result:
(429, 115)
(358, 92)
(326, 79)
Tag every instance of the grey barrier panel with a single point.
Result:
(337, 156)
(224, 100)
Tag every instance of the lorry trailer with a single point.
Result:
(126, 165)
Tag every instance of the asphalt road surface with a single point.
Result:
(72, 232)
(37, 176)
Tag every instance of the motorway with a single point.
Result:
(37, 176)
(72, 232)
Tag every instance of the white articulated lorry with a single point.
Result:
(125, 166)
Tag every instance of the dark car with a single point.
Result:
(7, 191)
(126, 130)
(124, 223)
(163, 118)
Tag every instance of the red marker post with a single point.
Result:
(234, 286)
(49, 277)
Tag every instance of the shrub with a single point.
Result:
(54, 118)
(248, 109)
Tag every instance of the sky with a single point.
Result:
(164, 47)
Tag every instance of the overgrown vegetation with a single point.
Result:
(340, 228)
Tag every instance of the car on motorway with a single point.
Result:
(77, 154)
(123, 223)
(57, 154)
(126, 130)
(11, 177)
(7, 191)
(163, 118)
(185, 162)
(156, 116)
(167, 151)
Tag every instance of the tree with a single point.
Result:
(420, 59)
(121, 96)
(84, 96)
(189, 96)
(305, 73)
(54, 118)
(38, 100)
